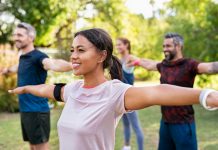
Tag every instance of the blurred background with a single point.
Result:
(143, 22)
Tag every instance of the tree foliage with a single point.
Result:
(198, 25)
(57, 20)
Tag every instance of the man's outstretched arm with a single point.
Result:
(58, 65)
(148, 64)
(208, 68)
(12, 69)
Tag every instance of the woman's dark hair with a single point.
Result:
(125, 41)
(102, 41)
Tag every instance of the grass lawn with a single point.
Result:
(11, 136)
(11, 139)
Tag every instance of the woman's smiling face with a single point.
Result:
(84, 56)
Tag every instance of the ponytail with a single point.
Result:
(115, 68)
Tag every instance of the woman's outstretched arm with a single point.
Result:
(42, 90)
(168, 95)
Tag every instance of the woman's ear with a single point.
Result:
(103, 55)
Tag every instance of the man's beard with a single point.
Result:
(20, 45)
(170, 55)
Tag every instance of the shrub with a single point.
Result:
(8, 102)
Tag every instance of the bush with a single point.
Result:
(8, 102)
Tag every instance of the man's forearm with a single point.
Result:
(148, 64)
(61, 66)
(214, 68)
(57, 65)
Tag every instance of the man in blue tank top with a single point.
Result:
(32, 70)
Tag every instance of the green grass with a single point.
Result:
(207, 124)
(11, 136)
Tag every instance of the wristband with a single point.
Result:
(203, 99)
(57, 91)
(136, 62)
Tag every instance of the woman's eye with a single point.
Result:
(71, 50)
(81, 50)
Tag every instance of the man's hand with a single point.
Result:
(4, 71)
(12, 69)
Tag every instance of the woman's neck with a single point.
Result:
(94, 79)
(124, 56)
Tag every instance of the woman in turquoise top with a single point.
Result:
(123, 46)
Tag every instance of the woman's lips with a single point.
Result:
(75, 65)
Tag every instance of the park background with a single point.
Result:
(143, 22)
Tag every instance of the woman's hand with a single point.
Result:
(209, 99)
(132, 61)
(18, 90)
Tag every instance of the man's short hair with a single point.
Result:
(30, 29)
(177, 39)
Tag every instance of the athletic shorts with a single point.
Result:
(180, 136)
(35, 127)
